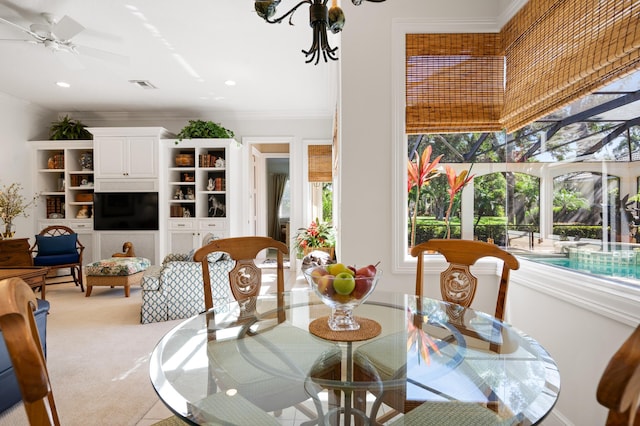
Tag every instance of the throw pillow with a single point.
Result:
(60, 244)
(190, 255)
(208, 238)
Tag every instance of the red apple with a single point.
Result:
(366, 271)
(363, 285)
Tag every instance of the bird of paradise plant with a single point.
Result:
(418, 338)
(419, 173)
(456, 184)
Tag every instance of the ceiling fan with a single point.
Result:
(57, 36)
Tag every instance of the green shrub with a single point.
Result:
(199, 129)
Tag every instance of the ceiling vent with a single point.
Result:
(145, 84)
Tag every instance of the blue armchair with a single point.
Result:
(58, 247)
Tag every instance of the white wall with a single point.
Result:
(581, 321)
(20, 121)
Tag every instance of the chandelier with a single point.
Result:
(321, 19)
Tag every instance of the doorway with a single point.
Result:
(269, 186)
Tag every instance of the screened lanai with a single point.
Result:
(563, 189)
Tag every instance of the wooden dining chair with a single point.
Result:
(619, 387)
(58, 247)
(245, 280)
(458, 286)
(18, 325)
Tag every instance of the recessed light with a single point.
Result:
(63, 84)
(230, 83)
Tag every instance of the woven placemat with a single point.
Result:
(368, 329)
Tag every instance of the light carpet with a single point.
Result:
(98, 357)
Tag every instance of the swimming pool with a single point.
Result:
(623, 265)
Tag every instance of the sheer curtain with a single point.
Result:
(279, 181)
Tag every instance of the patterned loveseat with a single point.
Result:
(174, 290)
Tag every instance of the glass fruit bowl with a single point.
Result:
(343, 288)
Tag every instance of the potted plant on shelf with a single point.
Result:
(12, 205)
(317, 236)
(67, 128)
(200, 129)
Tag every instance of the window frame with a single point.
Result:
(402, 262)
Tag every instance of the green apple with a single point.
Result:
(344, 283)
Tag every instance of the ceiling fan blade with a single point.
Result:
(70, 60)
(102, 55)
(66, 28)
(21, 28)
(18, 40)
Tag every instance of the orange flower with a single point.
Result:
(419, 174)
(456, 184)
(418, 338)
(422, 171)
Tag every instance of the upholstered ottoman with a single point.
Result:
(116, 271)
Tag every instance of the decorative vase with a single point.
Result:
(86, 161)
(8, 230)
(329, 250)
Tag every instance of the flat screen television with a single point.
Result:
(125, 211)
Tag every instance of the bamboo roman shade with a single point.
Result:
(320, 163)
(554, 51)
(454, 82)
(558, 51)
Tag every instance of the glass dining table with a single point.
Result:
(228, 366)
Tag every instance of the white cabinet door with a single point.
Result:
(142, 157)
(110, 155)
(182, 242)
(128, 157)
(87, 240)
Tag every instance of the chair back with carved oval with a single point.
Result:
(245, 278)
(457, 283)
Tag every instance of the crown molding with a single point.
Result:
(509, 11)
(159, 116)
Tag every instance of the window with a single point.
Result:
(564, 188)
(284, 213)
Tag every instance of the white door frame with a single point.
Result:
(254, 182)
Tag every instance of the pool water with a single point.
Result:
(608, 266)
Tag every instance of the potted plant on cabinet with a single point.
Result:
(200, 129)
(67, 128)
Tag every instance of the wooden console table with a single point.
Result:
(34, 276)
(15, 252)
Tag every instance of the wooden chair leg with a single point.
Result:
(76, 273)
